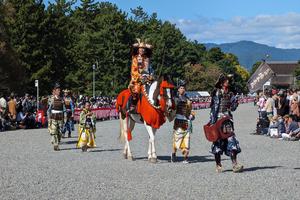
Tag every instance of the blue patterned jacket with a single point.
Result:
(215, 104)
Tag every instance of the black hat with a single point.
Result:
(182, 83)
(221, 78)
(56, 86)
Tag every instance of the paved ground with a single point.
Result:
(30, 169)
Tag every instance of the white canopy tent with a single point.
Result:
(197, 93)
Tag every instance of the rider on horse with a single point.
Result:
(141, 69)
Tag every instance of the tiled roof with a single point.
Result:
(283, 67)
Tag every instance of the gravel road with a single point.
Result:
(30, 169)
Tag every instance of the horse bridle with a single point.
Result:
(168, 98)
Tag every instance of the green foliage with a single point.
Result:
(255, 67)
(61, 44)
(296, 74)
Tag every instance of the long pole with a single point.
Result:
(37, 99)
(162, 62)
(93, 80)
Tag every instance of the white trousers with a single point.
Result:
(285, 135)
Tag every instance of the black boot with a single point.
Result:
(173, 157)
(131, 104)
(69, 135)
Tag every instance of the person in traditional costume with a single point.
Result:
(56, 114)
(51, 98)
(141, 70)
(223, 102)
(182, 124)
(69, 126)
(87, 128)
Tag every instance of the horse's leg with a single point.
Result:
(131, 126)
(123, 135)
(151, 152)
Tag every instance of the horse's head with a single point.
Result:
(165, 95)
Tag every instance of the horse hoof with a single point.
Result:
(153, 160)
(130, 158)
(124, 156)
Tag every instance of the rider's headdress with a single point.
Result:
(221, 78)
(142, 43)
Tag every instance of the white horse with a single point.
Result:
(151, 108)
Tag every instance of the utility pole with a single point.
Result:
(93, 80)
(37, 95)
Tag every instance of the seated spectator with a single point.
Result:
(7, 121)
(273, 129)
(296, 135)
(281, 126)
(7, 116)
(25, 119)
(14, 124)
(262, 124)
(292, 127)
(2, 120)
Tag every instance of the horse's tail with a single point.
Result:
(122, 132)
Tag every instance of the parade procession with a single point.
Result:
(149, 100)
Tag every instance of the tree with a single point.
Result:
(255, 67)
(194, 77)
(226, 66)
(57, 42)
(115, 65)
(296, 74)
(244, 74)
(10, 67)
(25, 37)
(233, 58)
(211, 76)
(87, 48)
(215, 54)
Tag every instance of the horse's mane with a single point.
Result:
(157, 90)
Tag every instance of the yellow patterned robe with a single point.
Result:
(182, 140)
(86, 136)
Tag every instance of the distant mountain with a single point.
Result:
(250, 52)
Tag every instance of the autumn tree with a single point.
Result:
(194, 76)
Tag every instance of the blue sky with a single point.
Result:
(271, 22)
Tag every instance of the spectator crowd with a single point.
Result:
(19, 112)
(278, 114)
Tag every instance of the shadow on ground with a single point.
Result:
(69, 142)
(192, 159)
(66, 149)
(256, 168)
(105, 150)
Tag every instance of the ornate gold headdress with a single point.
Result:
(143, 42)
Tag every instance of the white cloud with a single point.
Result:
(282, 31)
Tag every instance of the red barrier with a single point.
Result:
(40, 117)
(99, 112)
(200, 105)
